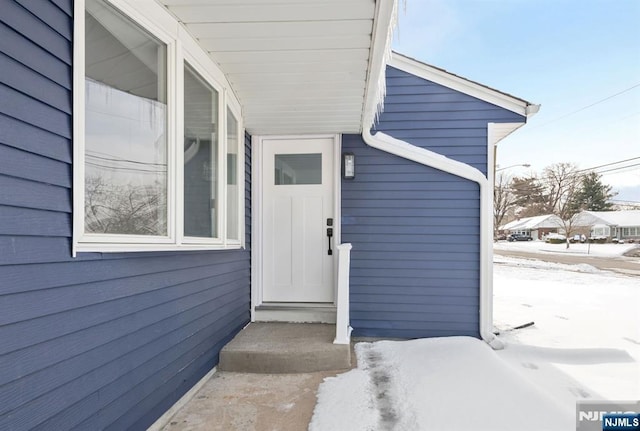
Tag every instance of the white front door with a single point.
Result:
(298, 208)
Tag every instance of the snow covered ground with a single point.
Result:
(455, 383)
(585, 344)
(602, 250)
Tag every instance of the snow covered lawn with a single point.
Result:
(585, 344)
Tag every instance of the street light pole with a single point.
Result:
(526, 165)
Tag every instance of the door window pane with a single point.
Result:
(125, 126)
(233, 231)
(291, 169)
(200, 156)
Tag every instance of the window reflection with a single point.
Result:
(233, 142)
(200, 156)
(125, 126)
(293, 169)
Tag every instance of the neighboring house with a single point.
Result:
(172, 174)
(611, 225)
(537, 227)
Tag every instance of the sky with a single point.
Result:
(580, 60)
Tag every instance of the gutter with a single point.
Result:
(384, 142)
(531, 110)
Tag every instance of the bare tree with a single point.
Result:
(503, 200)
(562, 183)
(126, 209)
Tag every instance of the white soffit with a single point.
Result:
(297, 66)
(499, 131)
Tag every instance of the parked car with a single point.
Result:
(578, 238)
(519, 237)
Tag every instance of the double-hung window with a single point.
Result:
(157, 137)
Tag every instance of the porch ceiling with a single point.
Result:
(297, 66)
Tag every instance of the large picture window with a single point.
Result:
(144, 186)
(125, 126)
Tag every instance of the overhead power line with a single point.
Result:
(618, 168)
(120, 159)
(118, 168)
(585, 107)
(608, 164)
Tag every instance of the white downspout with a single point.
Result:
(425, 157)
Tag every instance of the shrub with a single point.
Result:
(556, 240)
(597, 240)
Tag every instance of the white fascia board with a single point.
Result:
(457, 83)
(380, 53)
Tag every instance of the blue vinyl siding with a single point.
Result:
(416, 230)
(100, 341)
(440, 119)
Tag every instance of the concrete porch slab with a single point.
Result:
(250, 402)
(277, 348)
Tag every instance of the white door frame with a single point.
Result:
(257, 226)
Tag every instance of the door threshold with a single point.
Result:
(296, 312)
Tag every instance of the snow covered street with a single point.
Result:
(584, 344)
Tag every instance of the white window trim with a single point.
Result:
(235, 110)
(181, 47)
(184, 58)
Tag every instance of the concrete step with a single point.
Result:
(298, 313)
(276, 348)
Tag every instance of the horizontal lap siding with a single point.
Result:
(414, 262)
(414, 229)
(440, 119)
(100, 341)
